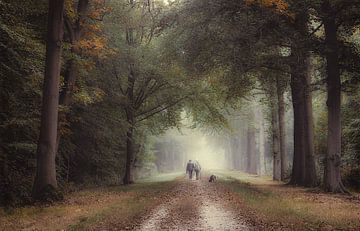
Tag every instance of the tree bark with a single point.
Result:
(251, 154)
(130, 113)
(298, 168)
(75, 32)
(46, 152)
(332, 176)
(130, 157)
(275, 139)
(280, 89)
(310, 168)
(236, 154)
(303, 173)
(262, 160)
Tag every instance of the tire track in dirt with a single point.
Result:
(195, 205)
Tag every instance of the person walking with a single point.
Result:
(190, 168)
(197, 168)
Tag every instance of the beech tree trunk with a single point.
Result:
(298, 169)
(262, 160)
(332, 176)
(229, 154)
(303, 172)
(251, 154)
(280, 89)
(130, 157)
(310, 169)
(46, 152)
(74, 31)
(275, 139)
(130, 113)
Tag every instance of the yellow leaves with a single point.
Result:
(92, 46)
(99, 10)
(280, 6)
(89, 96)
(94, 28)
(70, 9)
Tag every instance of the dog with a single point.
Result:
(212, 178)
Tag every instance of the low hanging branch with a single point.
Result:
(159, 108)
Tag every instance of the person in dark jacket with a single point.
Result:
(190, 168)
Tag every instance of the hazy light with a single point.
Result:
(198, 146)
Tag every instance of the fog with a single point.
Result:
(245, 145)
(197, 145)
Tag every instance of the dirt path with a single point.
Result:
(195, 205)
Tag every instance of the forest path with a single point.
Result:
(195, 205)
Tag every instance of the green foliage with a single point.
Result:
(351, 121)
(21, 63)
(200, 60)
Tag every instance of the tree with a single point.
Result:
(276, 141)
(251, 165)
(332, 17)
(75, 29)
(146, 89)
(45, 181)
(280, 91)
(273, 84)
(303, 172)
(332, 177)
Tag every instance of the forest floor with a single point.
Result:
(276, 206)
(235, 201)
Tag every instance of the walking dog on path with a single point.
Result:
(212, 178)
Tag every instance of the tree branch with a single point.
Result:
(152, 112)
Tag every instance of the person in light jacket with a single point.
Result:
(197, 169)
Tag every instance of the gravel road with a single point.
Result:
(194, 205)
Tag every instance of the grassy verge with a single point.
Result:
(296, 208)
(91, 209)
(143, 197)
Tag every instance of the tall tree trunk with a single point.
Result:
(251, 153)
(303, 172)
(130, 154)
(280, 89)
(130, 157)
(74, 30)
(75, 33)
(243, 150)
(235, 144)
(298, 168)
(130, 111)
(262, 159)
(275, 139)
(229, 154)
(332, 176)
(46, 152)
(310, 169)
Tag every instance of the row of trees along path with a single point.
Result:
(292, 14)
